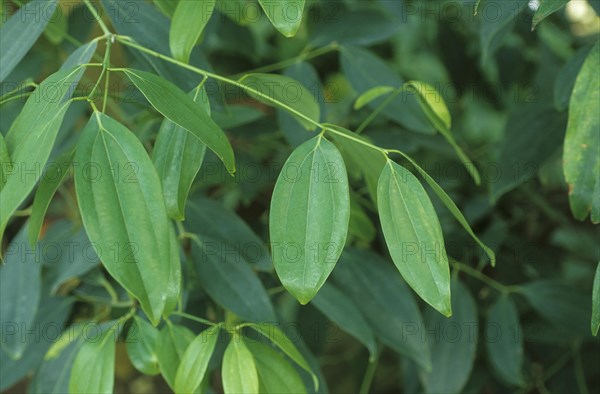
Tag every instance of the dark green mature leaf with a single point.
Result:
(50, 317)
(53, 177)
(172, 342)
(21, 31)
(447, 201)
(581, 159)
(31, 138)
(230, 281)
(194, 362)
(504, 340)
(20, 289)
(275, 374)
(210, 219)
(560, 304)
(180, 109)
(546, 8)
(310, 210)
(94, 367)
(279, 339)
(453, 343)
(414, 236)
(385, 300)
(178, 156)
(5, 161)
(596, 302)
(436, 111)
(365, 70)
(497, 18)
(189, 20)
(291, 95)
(565, 80)
(124, 214)
(141, 346)
(338, 308)
(239, 369)
(286, 16)
(533, 133)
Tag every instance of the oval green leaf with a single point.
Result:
(310, 211)
(276, 375)
(141, 346)
(173, 340)
(371, 95)
(194, 362)
(286, 15)
(180, 109)
(413, 235)
(239, 369)
(123, 211)
(188, 22)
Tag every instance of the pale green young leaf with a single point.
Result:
(287, 91)
(310, 208)
(413, 235)
(141, 346)
(504, 340)
(371, 95)
(21, 31)
(189, 20)
(545, 9)
(276, 375)
(172, 342)
(596, 302)
(124, 214)
(239, 369)
(581, 161)
(53, 177)
(194, 361)
(178, 156)
(285, 15)
(180, 109)
(94, 367)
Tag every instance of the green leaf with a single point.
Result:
(497, 18)
(504, 340)
(20, 290)
(385, 300)
(339, 309)
(4, 160)
(447, 201)
(533, 133)
(360, 226)
(167, 6)
(580, 157)
(121, 204)
(189, 20)
(565, 80)
(32, 136)
(310, 211)
(453, 344)
(413, 235)
(546, 8)
(239, 369)
(57, 27)
(141, 346)
(371, 94)
(53, 177)
(436, 111)
(286, 16)
(180, 109)
(94, 367)
(596, 302)
(279, 339)
(172, 342)
(21, 31)
(292, 95)
(230, 281)
(194, 362)
(178, 156)
(276, 375)
(560, 304)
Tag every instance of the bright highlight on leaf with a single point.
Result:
(414, 236)
(310, 211)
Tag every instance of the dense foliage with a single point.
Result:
(300, 196)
